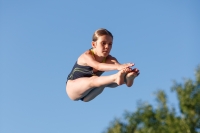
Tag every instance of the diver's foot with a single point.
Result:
(131, 76)
(120, 76)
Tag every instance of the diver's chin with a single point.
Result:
(105, 55)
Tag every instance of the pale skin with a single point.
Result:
(90, 87)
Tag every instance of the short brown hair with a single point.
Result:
(101, 32)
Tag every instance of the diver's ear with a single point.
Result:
(94, 44)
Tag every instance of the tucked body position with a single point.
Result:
(85, 81)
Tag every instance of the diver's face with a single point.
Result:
(103, 45)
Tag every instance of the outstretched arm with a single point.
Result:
(110, 64)
(113, 60)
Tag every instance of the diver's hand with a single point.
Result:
(122, 66)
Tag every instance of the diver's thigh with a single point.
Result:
(79, 87)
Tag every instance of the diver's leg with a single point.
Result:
(82, 86)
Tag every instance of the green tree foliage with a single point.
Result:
(164, 119)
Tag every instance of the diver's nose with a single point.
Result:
(106, 46)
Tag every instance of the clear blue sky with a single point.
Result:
(41, 40)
